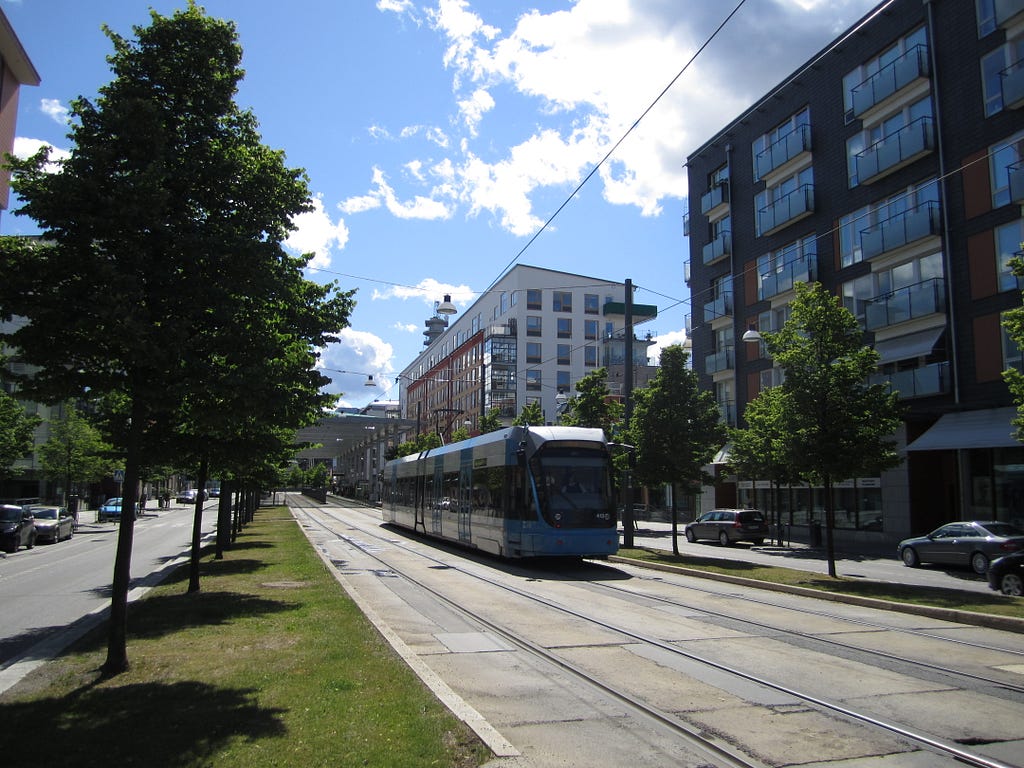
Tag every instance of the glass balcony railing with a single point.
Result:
(1011, 85)
(891, 78)
(686, 271)
(714, 197)
(686, 224)
(1016, 172)
(794, 143)
(931, 379)
(720, 307)
(1007, 9)
(913, 301)
(901, 229)
(720, 361)
(717, 249)
(774, 283)
(727, 408)
(786, 209)
(896, 150)
(688, 323)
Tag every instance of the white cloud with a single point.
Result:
(429, 290)
(355, 356)
(474, 108)
(359, 204)
(315, 233)
(418, 207)
(406, 327)
(25, 148)
(666, 340)
(54, 109)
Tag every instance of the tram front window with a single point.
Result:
(573, 488)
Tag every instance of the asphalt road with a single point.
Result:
(875, 566)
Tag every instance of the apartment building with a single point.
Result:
(528, 339)
(889, 168)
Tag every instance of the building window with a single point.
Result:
(533, 380)
(504, 303)
(565, 327)
(562, 381)
(1009, 239)
(850, 227)
(590, 304)
(1002, 156)
(563, 353)
(857, 294)
(533, 325)
(590, 357)
(986, 17)
(534, 352)
(1012, 356)
(781, 144)
(590, 329)
(561, 301)
(888, 215)
(533, 299)
(609, 330)
(784, 201)
(779, 270)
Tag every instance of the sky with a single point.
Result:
(445, 140)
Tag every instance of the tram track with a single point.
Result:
(723, 754)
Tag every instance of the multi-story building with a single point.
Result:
(16, 70)
(528, 339)
(889, 168)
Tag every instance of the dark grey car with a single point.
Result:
(969, 542)
(727, 526)
(17, 528)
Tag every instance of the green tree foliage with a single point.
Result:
(530, 416)
(420, 443)
(16, 431)
(317, 476)
(1013, 322)
(460, 433)
(162, 264)
(592, 405)
(490, 422)
(676, 428)
(838, 426)
(75, 453)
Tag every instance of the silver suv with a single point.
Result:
(727, 526)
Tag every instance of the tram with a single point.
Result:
(519, 492)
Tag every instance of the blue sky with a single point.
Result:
(438, 136)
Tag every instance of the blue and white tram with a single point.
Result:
(517, 492)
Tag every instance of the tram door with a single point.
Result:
(435, 497)
(465, 500)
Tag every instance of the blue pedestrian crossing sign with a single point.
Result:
(118, 475)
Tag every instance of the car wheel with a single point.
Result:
(1012, 584)
(691, 536)
(723, 539)
(979, 563)
(910, 558)
(758, 542)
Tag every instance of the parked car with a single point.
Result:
(17, 527)
(1006, 574)
(727, 526)
(189, 496)
(968, 542)
(111, 510)
(53, 523)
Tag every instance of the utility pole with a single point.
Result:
(627, 385)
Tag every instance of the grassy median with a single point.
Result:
(270, 664)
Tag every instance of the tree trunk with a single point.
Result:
(224, 519)
(197, 526)
(830, 519)
(675, 522)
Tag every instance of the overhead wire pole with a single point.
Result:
(627, 386)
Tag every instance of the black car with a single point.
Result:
(1006, 574)
(17, 528)
(727, 526)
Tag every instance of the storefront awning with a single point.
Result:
(990, 428)
(909, 346)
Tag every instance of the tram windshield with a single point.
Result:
(573, 487)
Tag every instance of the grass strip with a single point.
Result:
(270, 664)
(938, 597)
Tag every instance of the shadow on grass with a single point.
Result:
(153, 724)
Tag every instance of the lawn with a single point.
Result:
(270, 664)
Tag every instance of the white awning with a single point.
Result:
(990, 428)
(909, 346)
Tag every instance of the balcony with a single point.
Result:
(719, 307)
(800, 271)
(914, 301)
(786, 210)
(1016, 172)
(720, 361)
(717, 249)
(793, 144)
(727, 409)
(686, 224)
(1006, 10)
(1011, 84)
(890, 79)
(717, 196)
(927, 380)
(896, 150)
(901, 229)
(686, 271)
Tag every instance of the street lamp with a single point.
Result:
(446, 307)
(751, 336)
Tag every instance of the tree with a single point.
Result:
(16, 433)
(837, 425)
(75, 453)
(1013, 322)
(490, 421)
(592, 405)
(676, 428)
(162, 265)
(762, 449)
(530, 416)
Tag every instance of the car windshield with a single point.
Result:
(10, 514)
(113, 503)
(1003, 529)
(44, 513)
